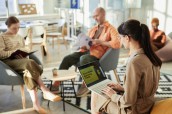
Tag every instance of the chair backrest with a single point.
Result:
(23, 32)
(56, 27)
(109, 60)
(170, 35)
(61, 22)
(38, 30)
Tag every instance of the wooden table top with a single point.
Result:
(62, 75)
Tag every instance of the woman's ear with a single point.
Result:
(127, 38)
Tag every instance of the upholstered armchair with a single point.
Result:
(9, 77)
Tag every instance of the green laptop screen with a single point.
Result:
(90, 74)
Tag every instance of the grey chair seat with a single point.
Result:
(9, 76)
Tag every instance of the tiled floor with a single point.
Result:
(11, 100)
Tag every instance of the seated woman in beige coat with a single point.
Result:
(141, 77)
(10, 42)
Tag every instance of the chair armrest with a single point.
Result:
(8, 76)
(33, 57)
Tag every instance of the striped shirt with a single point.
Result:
(11, 43)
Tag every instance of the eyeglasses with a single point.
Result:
(122, 36)
(94, 16)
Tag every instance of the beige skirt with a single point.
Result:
(29, 68)
(112, 107)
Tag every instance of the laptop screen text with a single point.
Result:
(92, 73)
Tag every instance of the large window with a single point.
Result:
(162, 10)
(12, 7)
(3, 10)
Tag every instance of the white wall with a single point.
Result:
(49, 6)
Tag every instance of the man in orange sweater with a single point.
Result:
(104, 36)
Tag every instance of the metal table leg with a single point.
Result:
(73, 88)
(76, 98)
(50, 90)
(62, 95)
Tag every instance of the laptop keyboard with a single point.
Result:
(99, 89)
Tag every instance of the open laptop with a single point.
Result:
(94, 77)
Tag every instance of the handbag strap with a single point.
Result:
(104, 106)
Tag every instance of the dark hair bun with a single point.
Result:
(11, 20)
(6, 22)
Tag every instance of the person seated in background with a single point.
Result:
(158, 37)
(10, 42)
(141, 77)
(104, 36)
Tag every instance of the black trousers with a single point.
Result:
(75, 58)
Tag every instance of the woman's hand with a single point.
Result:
(19, 56)
(116, 86)
(108, 91)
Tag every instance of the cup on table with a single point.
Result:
(55, 72)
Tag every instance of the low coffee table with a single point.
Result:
(63, 75)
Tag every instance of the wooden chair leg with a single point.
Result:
(12, 87)
(116, 76)
(44, 50)
(23, 96)
(65, 42)
(53, 42)
(58, 44)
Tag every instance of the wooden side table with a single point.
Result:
(63, 75)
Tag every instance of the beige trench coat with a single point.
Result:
(140, 84)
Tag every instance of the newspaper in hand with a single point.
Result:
(82, 40)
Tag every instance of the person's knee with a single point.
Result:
(30, 62)
(31, 65)
(83, 59)
(66, 58)
(66, 62)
